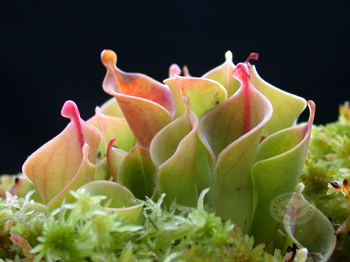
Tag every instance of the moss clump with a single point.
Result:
(329, 161)
(180, 234)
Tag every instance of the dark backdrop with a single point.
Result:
(50, 53)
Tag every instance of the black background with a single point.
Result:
(50, 53)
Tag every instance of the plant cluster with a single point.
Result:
(181, 171)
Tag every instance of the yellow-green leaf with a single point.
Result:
(286, 107)
(174, 153)
(202, 93)
(277, 170)
(223, 75)
(66, 161)
(231, 132)
(137, 172)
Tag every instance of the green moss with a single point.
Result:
(189, 234)
(329, 160)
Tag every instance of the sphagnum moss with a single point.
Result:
(195, 235)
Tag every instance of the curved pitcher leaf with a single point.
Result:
(317, 235)
(102, 170)
(147, 105)
(134, 84)
(223, 75)
(174, 153)
(231, 132)
(145, 118)
(112, 127)
(137, 172)
(123, 202)
(204, 170)
(277, 170)
(66, 161)
(111, 108)
(85, 174)
(286, 107)
(115, 157)
(202, 93)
